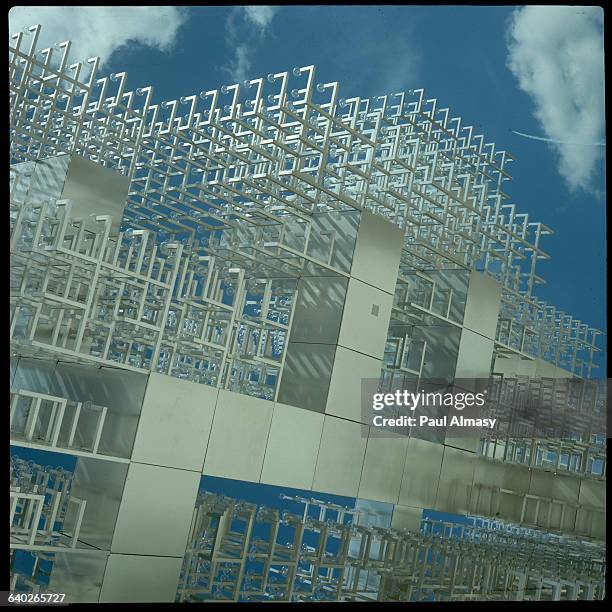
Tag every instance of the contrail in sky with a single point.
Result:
(563, 142)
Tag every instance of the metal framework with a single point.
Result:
(233, 198)
(243, 552)
(43, 513)
(228, 182)
(548, 423)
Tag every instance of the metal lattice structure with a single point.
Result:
(79, 292)
(235, 200)
(231, 178)
(42, 509)
(548, 423)
(237, 552)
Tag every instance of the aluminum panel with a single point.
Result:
(293, 446)
(78, 575)
(407, 517)
(95, 190)
(140, 579)
(475, 355)
(120, 391)
(101, 483)
(341, 457)
(344, 397)
(365, 321)
(338, 228)
(239, 436)
(555, 486)
(456, 481)
(593, 493)
(156, 511)
(482, 304)
(175, 423)
(318, 309)
(421, 473)
(306, 375)
(377, 252)
(383, 467)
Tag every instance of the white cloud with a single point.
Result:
(261, 15)
(242, 63)
(99, 31)
(243, 25)
(556, 54)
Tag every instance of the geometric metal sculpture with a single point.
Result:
(242, 552)
(230, 179)
(188, 238)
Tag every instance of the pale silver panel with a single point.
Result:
(175, 423)
(78, 575)
(100, 482)
(383, 468)
(318, 309)
(306, 375)
(407, 517)
(475, 355)
(365, 321)
(48, 178)
(442, 348)
(556, 486)
(140, 579)
(340, 458)
(593, 493)
(293, 446)
(35, 375)
(377, 252)
(95, 190)
(503, 475)
(421, 473)
(482, 306)
(239, 436)
(549, 370)
(499, 489)
(156, 510)
(338, 228)
(120, 391)
(456, 481)
(513, 366)
(349, 368)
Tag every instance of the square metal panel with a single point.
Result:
(344, 397)
(475, 355)
(482, 305)
(175, 423)
(318, 309)
(293, 446)
(306, 375)
(341, 457)
(239, 436)
(383, 467)
(377, 252)
(407, 517)
(140, 579)
(156, 511)
(93, 188)
(361, 330)
(455, 489)
(421, 473)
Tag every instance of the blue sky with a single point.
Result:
(537, 70)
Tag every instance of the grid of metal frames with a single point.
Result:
(243, 552)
